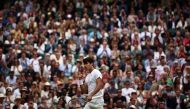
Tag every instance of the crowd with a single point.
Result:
(141, 47)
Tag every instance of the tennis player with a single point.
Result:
(92, 85)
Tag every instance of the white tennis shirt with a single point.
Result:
(90, 80)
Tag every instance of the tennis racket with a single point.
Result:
(77, 103)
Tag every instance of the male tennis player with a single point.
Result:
(92, 85)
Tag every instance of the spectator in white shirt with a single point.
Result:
(159, 53)
(17, 90)
(160, 68)
(104, 50)
(151, 27)
(182, 23)
(2, 88)
(148, 62)
(41, 45)
(127, 91)
(16, 68)
(2, 56)
(144, 34)
(30, 104)
(57, 57)
(11, 79)
(45, 91)
(34, 62)
(156, 36)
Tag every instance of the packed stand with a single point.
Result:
(142, 48)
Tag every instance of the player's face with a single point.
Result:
(87, 66)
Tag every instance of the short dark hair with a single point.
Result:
(88, 60)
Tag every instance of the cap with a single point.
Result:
(47, 84)
(92, 40)
(18, 97)
(150, 75)
(34, 82)
(81, 54)
(134, 92)
(154, 93)
(78, 60)
(24, 89)
(9, 88)
(2, 95)
(47, 54)
(175, 62)
(70, 77)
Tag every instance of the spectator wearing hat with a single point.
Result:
(45, 91)
(2, 103)
(17, 103)
(9, 96)
(34, 87)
